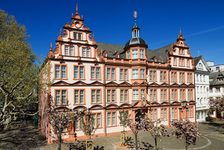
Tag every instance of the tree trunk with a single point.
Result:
(59, 140)
(155, 140)
(136, 141)
(186, 144)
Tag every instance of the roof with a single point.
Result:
(216, 78)
(159, 55)
(197, 59)
(135, 41)
(110, 48)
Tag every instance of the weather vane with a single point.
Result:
(135, 15)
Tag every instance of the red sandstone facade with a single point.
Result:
(80, 74)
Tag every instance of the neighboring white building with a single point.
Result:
(202, 88)
(215, 68)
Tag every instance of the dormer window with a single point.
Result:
(69, 50)
(141, 53)
(134, 54)
(128, 54)
(77, 36)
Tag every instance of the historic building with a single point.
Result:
(104, 79)
(201, 88)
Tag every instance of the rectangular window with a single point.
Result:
(123, 96)
(163, 95)
(163, 114)
(96, 96)
(60, 97)
(110, 73)
(134, 73)
(79, 96)
(128, 54)
(163, 76)
(153, 95)
(71, 52)
(134, 54)
(97, 120)
(111, 96)
(142, 73)
(60, 72)
(123, 74)
(95, 73)
(81, 72)
(153, 114)
(142, 94)
(75, 72)
(78, 72)
(66, 50)
(135, 94)
(79, 36)
(85, 52)
(141, 53)
(111, 119)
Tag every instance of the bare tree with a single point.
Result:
(60, 120)
(156, 130)
(186, 130)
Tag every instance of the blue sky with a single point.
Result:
(202, 22)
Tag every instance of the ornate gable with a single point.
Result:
(96, 83)
(124, 84)
(112, 84)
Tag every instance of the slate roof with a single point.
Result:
(159, 55)
(216, 78)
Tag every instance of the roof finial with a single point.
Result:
(77, 8)
(180, 31)
(51, 47)
(135, 15)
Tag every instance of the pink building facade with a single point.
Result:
(105, 79)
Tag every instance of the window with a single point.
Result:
(152, 75)
(163, 95)
(174, 95)
(134, 54)
(163, 114)
(95, 96)
(135, 94)
(77, 36)
(182, 77)
(188, 63)
(69, 50)
(79, 96)
(95, 73)
(141, 53)
(60, 72)
(97, 120)
(182, 94)
(60, 97)
(85, 52)
(123, 74)
(175, 61)
(153, 95)
(142, 94)
(66, 50)
(190, 94)
(134, 73)
(111, 96)
(189, 78)
(163, 76)
(128, 54)
(142, 73)
(111, 119)
(174, 113)
(153, 114)
(110, 73)
(174, 77)
(123, 96)
(78, 72)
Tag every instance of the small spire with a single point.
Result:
(51, 47)
(135, 15)
(77, 9)
(181, 31)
